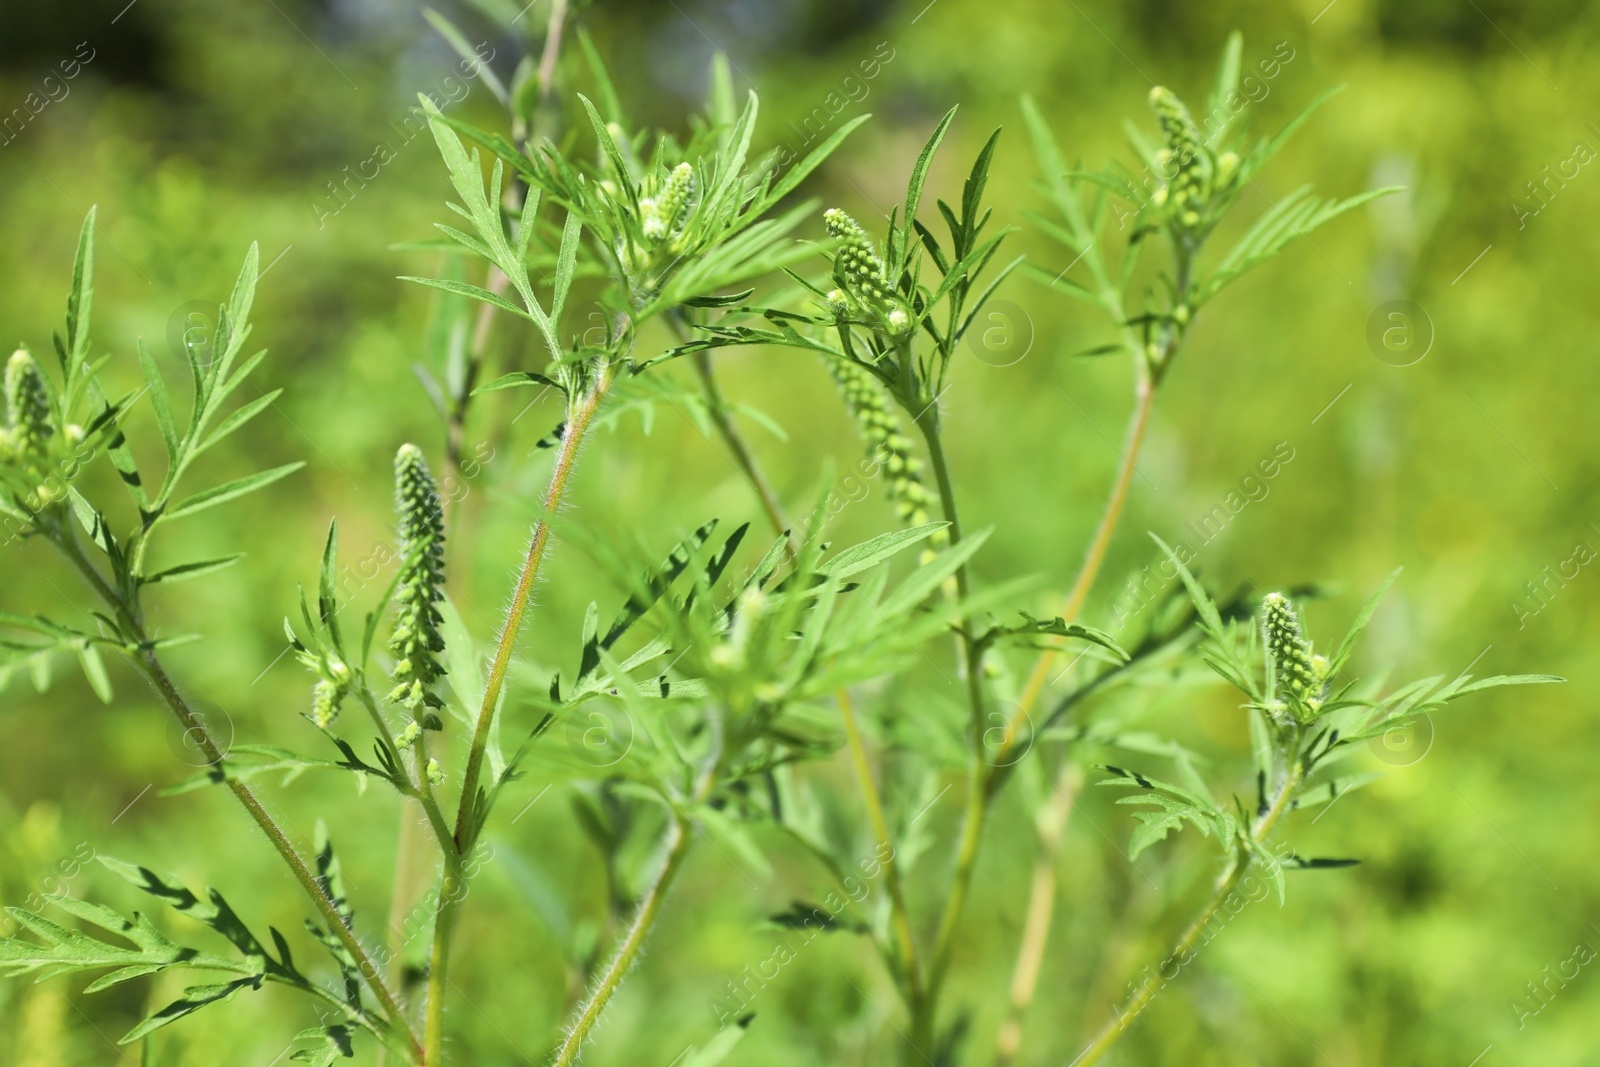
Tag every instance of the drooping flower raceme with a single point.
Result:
(886, 442)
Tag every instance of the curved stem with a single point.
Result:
(891, 872)
(1183, 950)
(678, 838)
(677, 846)
(195, 730)
(453, 887)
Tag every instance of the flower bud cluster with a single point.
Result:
(416, 641)
(1193, 175)
(1301, 677)
(864, 287)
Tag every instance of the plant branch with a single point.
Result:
(927, 421)
(743, 457)
(679, 836)
(678, 839)
(453, 887)
(1183, 950)
(151, 667)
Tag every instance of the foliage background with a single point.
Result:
(198, 128)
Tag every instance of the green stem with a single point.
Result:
(1183, 949)
(678, 838)
(924, 1019)
(194, 729)
(722, 418)
(580, 417)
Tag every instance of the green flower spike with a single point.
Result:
(416, 641)
(27, 406)
(1298, 676)
(1184, 163)
(861, 274)
(665, 216)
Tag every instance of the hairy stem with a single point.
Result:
(891, 872)
(195, 730)
(678, 838)
(1051, 825)
(1183, 950)
(453, 888)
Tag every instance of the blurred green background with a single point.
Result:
(198, 128)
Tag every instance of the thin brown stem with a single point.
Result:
(722, 418)
(891, 871)
(1051, 825)
(195, 730)
(1094, 559)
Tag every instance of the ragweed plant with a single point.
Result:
(1305, 719)
(732, 672)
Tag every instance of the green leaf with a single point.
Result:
(61, 950)
(185, 571)
(95, 671)
(517, 379)
(327, 584)
(331, 1043)
(1210, 618)
(238, 418)
(719, 1048)
(474, 291)
(608, 145)
(604, 89)
(868, 554)
(464, 49)
(160, 402)
(1057, 627)
(801, 170)
(566, 263)
(227, 491)
(194, 998)
(919, 175)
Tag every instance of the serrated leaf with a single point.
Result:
(194, 998)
